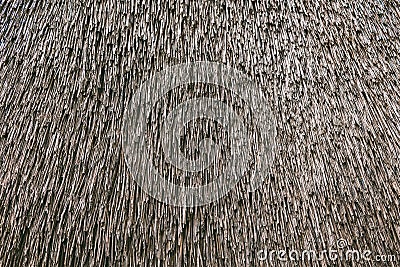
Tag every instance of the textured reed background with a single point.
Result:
(330, 71)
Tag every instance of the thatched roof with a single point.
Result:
(329, 69)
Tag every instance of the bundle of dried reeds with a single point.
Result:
(329, 69)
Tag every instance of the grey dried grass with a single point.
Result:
(330, 71)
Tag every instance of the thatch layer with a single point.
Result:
(330, 70)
